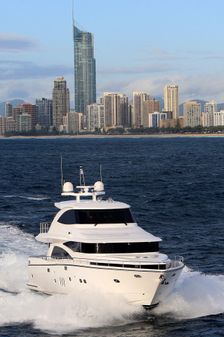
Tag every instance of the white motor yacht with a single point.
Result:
(96, 244)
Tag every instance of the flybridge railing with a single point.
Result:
(44, 227)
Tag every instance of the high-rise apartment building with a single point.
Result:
(25, 109)
(2, 125)
(209, 109)
(192, 114)
(96, 117)
(44, 112)
(25, 122)
(116, 109)
(150, 106)
(72, 122)
(8, 109)
(60, 100)
(138, 108)
(219, 118)
(171, 100)
(85, 70)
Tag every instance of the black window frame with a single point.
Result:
(96, 216)
(60, 254)
(114, 247)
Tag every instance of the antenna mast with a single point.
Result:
(81, 177)
(62, 175)
(101, 177)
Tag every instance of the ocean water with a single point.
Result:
(176, 189)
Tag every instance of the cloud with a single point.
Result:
(205, 86)
(30, 89)
(152, 68)
(14, 70)
(196, 86)
(12, 43)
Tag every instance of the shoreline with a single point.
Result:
(137, 136)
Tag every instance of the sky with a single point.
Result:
(140, 45)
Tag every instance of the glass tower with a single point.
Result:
(85, 70)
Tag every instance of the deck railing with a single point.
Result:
(176, 262)
(44, 227)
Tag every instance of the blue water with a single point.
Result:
(176, 189)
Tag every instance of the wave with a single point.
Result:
(35, 198)
(59, 313)
(195, 294)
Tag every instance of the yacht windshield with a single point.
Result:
(98, 216)
(114, 248)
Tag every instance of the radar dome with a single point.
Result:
(98, 186)
(68, 187)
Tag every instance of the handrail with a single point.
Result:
(124, 264)
(44, 227)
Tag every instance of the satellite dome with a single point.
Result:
(68, 187)
(98, 186)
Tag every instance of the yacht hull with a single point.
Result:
(136, 286)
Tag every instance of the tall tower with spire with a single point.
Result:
(84, 69)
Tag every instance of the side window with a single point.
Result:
(68, 218)
(59, 253)
(75, 246)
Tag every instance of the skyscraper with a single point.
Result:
(138, 111)
(85, 70)
(150, 106)
(29, 112)
(192, 114)
(60, 100)
(171, 100)
(8, 109)
(96, 117)
(44, 112)
(210, 108)
(115, 109)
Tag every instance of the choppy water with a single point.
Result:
(176, 189)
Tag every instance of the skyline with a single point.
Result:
(146, 49)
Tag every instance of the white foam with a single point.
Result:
(15, 247)
(195, 295)
(58, 313)
(61, 313)
(13, 240)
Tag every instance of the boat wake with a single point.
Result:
(195, 294)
